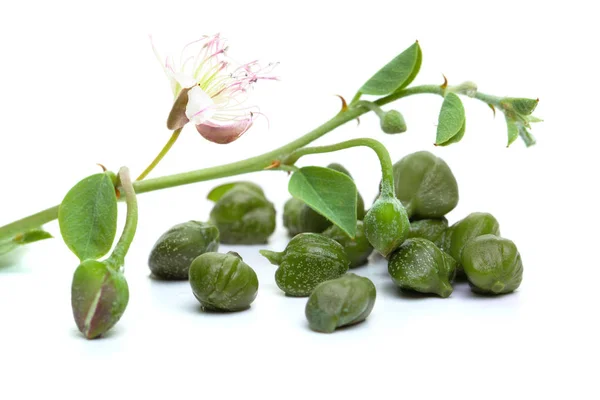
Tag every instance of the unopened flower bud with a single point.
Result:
(393, 122)
(99, 296)
(386, 225)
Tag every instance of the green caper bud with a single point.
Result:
(223, 282)
(430, 229)
(340, 302)
(308, 259)
(99, 296)
(425, 185)
(243, 216)
(174, 251)
(492, 265)
(217, 192)
(386, 225)
(291, 216)
(393, 122)
(300, 218)
(358, 249)
(420, 266)
(467, 229)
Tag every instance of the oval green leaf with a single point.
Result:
(330, 193)
(451, 122)
(397, 74)
(513, 131)
(88, 217)
(21, 239)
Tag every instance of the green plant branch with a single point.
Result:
(33, 221)
(373, 107)
(160, 155)
(387, 182)
(489, 99)
(117, 258)
(252, 164)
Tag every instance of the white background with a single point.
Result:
(79, 85)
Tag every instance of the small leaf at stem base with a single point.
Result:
(11, 243)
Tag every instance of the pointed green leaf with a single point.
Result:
(218, 192)
(397, 74)
(521, 106)
(88, 216)
(513, 131)
(532, 119)
(451, 122)
(21, 239)
(330, 193)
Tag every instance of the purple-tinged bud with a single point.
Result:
(99, 296)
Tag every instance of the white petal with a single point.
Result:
(185, 80)
(200, 106)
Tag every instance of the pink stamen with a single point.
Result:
(203, 110)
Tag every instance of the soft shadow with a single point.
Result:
(491, 296)
(339, 329)
(390, 289)
(289, 296)
(158, 280)
(113, 333)
(10, 260)
(460, 277)
(197, 308)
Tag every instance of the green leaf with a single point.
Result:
(521, 106)
(397, 74)
(451, 122)
(532, 119)
(218, 192)
(330, 193)
(513, 131)
(88, 216)
(21, 239)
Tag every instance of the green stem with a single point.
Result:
(287, 168)
(355, 99)
(31, 222)
(373, 107)
(431, 89)
(387, 172)
(489, 99)
(117, 258)
(252, 164)
(160, 155)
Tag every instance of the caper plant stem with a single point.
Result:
(373, 107)
(252, 164)
(489, 99)
(117, 258)
(387, 182)
(31, 222)
(160, 155)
